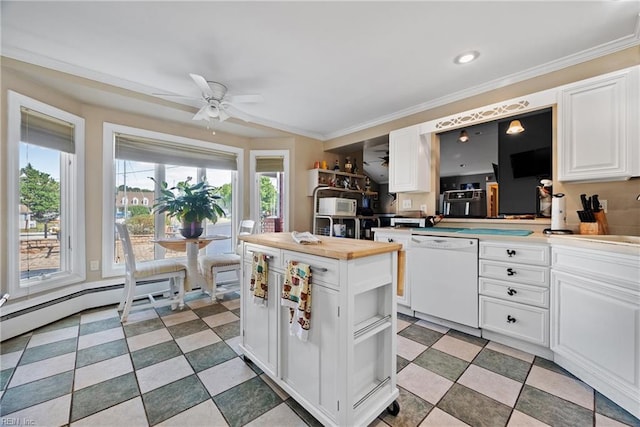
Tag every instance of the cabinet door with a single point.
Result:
(310, 367)
(595, 328)
(409, 160)
(260, 322)
(599, 129)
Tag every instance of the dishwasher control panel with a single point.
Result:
(439, 242)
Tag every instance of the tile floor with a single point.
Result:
(171, 368)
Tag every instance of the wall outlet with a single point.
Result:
(423, 208)
(603, 205)
(406, 204)
(94, 265)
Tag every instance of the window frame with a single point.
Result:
(255, 186)
(72, 206)
(109, 268)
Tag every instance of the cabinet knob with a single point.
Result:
(510, 271)
(510, 319)
(511, 291)
(511, 252)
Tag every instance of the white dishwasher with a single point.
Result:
(444, 277)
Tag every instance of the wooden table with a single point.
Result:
(192, 247)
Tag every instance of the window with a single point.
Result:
(269, 189)
(46, 190)
(134, 156)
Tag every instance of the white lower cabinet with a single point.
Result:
(514, 294)
(260, 322)
(515, 320)
(345, 373)
(595, 320)
(310, 367)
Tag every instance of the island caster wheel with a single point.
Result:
(394, 408)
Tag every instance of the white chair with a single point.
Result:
(162, 269)
(211, 265)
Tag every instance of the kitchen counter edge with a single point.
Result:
(535, 237)
(329, 247)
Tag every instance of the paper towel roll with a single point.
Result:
(558, 212)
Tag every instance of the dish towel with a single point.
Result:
(258, 285)
(296, 294)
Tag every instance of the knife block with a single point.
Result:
(589, 228)
(599, 227)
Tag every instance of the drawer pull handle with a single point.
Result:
(511, 252)
(510, 271)
(511, 291)
(390, 240)
(510, 319)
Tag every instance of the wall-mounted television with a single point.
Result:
(532, 163)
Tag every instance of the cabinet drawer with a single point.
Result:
(515, 320)
(515, 292)
(515, 273)
(325, 270)
(515, 252)
(274, 255)
(402, 239)
(617, 268)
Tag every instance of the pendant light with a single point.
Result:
(515, 127)
(464, 137)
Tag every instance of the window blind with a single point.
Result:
(270, 164)
(140, 149)
(46, 131)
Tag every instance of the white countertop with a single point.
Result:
(627, 244)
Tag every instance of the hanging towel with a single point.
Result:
(296, 294)
(258, 285)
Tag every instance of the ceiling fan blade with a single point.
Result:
(202, 114)
(246, 99)
(223, 115)
(235, 112)
(202, 84)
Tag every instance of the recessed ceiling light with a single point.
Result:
(466, 57)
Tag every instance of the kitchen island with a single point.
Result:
(344, 374)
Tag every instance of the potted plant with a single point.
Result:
(190, 204)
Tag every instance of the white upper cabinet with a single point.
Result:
(409, 160)
(599, 128)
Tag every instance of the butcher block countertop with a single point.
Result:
(329, 247)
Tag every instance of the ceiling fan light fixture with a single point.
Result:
(515, 127)
(464, 136)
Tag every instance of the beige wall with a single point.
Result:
(303, 151)
(623, 211)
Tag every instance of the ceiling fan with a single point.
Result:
(218, 104)
(385, 160)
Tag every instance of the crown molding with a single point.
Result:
(565, 62)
